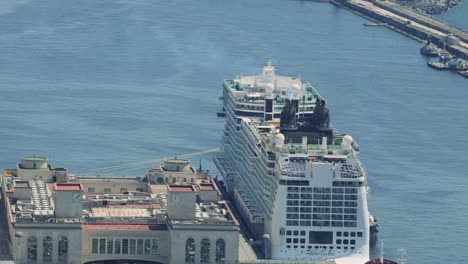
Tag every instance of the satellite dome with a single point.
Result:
(269, 88)
(347, 141)
(279, 140)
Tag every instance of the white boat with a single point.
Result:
(295, 180)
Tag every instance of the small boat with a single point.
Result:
(374, 24)
(463, 73)
(429, 49)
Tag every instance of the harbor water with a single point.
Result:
(92, 84)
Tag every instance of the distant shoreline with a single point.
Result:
(426, 6)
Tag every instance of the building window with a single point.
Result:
(47, 249)
(110, 246)
(123, 190)
(205, 251)
(190, 251)
(91, 190)
(147, 246)
(154, 246)
(32, 248)
(117, 246)
(140, 246)
(174, 180)
(107, 190)
(220, 250)
(102, 246)
(63, 249)
(95, 246)
(132, 246)
(124, 246)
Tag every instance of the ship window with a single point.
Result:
(154, 246)
(123, 190)
(320, 237)
(190, 251)
(296, 233)
(345, 234)
(295, 240)
(205, 251)
(95, 244)
(359, 234)
(306, 209)
(47, 249)
(292, 223)
(62, 249)
(321, 223)
(337, 210)
(32, 248)
(349, 224)
(305, 223)
(293, 203)
(288, 240)
(337, 203)
(107, 190)
(352, 242)
(118, 245)
(288, 232)
(350, 210)
(337, 217)
(345, 241)
(336, 223)
(338, 233)
(353, 234)
(220, 251)
(337, 190)
(338, 241)
(303, 233)
(91, 190)
(293, 209)
(292, 216)
(302, 240)
(306, 203)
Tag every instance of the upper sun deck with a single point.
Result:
(254, 89)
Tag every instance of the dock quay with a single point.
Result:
(410, 23)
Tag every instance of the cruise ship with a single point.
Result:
(297, 183)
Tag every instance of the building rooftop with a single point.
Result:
(68, 187)
(180, 188)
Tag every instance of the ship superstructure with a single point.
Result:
(295, 180)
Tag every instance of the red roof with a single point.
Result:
(68, 187)
(181, 188)
(134, 227)
(207, 187)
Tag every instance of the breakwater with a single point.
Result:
(409, 23)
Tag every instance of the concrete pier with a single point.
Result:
(412, 24)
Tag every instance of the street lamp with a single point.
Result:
(18, 236)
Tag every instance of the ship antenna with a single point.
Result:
(381, 252)
(200, 168)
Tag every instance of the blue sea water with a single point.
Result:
(92, 84)
(457, 15)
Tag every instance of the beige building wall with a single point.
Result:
(116, 186)
(41, 231)
(180, 234)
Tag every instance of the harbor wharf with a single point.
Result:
(410, 23)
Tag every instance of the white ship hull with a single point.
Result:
(294, 179)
